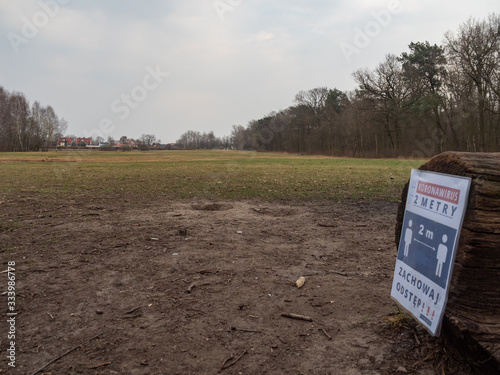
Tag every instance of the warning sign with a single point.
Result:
(434, 212)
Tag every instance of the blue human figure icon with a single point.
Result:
(442, 251)
(408, 238)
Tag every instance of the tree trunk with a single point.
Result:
(472, 321)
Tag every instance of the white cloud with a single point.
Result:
(264, 35)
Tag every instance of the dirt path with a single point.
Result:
(124, 273)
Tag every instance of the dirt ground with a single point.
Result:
(180, 287)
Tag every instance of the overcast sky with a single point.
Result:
(164, 67)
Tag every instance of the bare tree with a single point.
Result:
(24, 128)
(475, 50)
(19, 110)
(315, 99)
(387, 95)
(51, 126)
(239, 137)
(148, 139)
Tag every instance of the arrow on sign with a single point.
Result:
(430, 247)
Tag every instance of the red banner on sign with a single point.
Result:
(440, 192)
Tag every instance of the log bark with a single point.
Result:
(472, 320)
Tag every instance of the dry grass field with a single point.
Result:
(184, 262)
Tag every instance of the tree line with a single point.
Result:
(427, 100)
(196, 140)
(27, 128)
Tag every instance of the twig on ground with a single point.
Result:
(326, 333)
(485, 360)
(226, 364)
(204, 272)
(128, 314)
(56, 225)
(190, 288)
(298, 317)
(66, 353)
(193, 285)
(425, 359)
(244, 330)
(100, 365)
(131, 316)
(328, 225)
(416, 338)
(133, 310)
(338, 273)
(360, 346)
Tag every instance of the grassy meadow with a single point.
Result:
(201, 174)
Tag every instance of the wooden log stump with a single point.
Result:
(471, 324)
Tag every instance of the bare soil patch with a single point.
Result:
(198, 287)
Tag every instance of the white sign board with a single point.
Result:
(435, 208)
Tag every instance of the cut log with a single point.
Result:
(471, 325)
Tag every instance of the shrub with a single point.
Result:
(125, 148)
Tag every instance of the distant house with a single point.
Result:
(83, 141)
(64, 142)
(69, 141)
